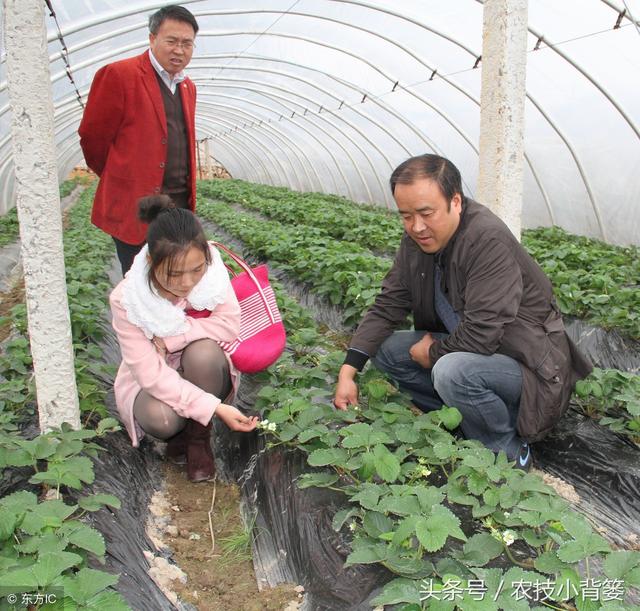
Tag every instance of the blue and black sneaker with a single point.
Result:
(524, 458)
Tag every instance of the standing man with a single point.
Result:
(138, 131)
(488, 339)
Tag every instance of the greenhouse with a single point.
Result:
(320, 305)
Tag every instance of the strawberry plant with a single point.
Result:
(9, 228)
(591, 279)
(376, 229)
(86, 252)
(345, 274)
(613, 397)
(446, 515)
(44, 544)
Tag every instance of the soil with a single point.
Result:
(7, 301)
(218, 579)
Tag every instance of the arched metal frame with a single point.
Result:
(195, 4)
(276, 134)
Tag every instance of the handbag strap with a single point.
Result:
(246, 268)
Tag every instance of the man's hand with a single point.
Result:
(347, 389)
(235, 419)
(420, 351)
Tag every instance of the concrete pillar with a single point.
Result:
(502, 98)
(38, 203)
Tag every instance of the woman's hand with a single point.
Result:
(160, 346)
(235, 419)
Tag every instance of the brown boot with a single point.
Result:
(176, 450)
(200, 463)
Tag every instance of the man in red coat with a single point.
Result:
(138, 131)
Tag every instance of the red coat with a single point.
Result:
(123, 135)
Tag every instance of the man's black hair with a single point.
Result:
(175, 12)
(432, 167)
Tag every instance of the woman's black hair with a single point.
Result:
(171, 232)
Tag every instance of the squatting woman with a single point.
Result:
(172, 313)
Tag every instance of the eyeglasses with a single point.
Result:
(172, 43)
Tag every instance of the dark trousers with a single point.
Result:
(485, 388)
(126, 254)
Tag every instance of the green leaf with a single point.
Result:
(42, 544)
(407, 566)
(49, 514)
(86, 584)
(8, 522)
(481, 548)
(406, 433)
(368, 496)
(477, 483)
(432, 532)
(19, 501)
(405, 529)
(72, 472)
(618, 563)
(572, 551)
(399, 590)
(84, 537)
(576, 525)
(361, 434)
(342, 516)
(367, 465)
(40, 447)
(97, 501)
(450, 417)
(479, 458)
(428, 496)
(312, 433)
(318, 480)
(376, 523)
(324, 457)
(445, 451)
(366, 554)
(567, 585)
(377, 389)
(288, 431)
(43, 572)
(548, 562)
(400, 505)
(457, 493)
(386, 464)
(310, 416)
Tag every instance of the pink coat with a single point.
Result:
(142, 366)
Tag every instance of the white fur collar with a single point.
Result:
(157, 316)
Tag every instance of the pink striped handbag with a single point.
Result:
(262, 336)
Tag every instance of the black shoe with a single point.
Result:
(524, 458)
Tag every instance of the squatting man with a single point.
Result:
(488, 337)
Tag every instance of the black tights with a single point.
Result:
(203, 363)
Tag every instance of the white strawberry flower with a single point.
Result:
(508, 536)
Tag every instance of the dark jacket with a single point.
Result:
(506, 306)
